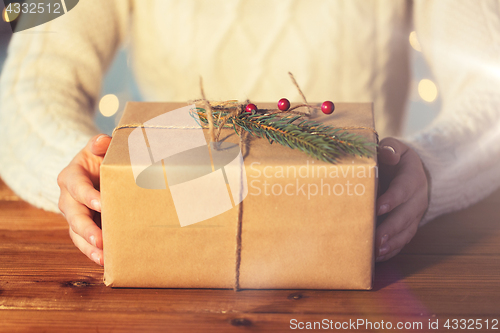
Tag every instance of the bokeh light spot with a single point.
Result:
(108, 105)
(427, 90)
(414, 41)
(9, 17)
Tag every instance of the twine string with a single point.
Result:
(139, 125)
(239, 224)
(237, 111)
(136, 125)
(300, 91)
(209, 112)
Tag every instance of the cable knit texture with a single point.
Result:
(351, 51)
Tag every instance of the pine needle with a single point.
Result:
(326, 143)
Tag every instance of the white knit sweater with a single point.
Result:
(344, 50)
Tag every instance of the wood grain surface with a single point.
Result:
(450, 270)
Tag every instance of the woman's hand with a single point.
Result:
(80, 200)
(403, 200)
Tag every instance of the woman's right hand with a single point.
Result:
(80, 199)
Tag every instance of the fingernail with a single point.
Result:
(383, 209)
(382, 242)
(92, 240)
(96, 205)
(383, 250)
(100, 137)
(95, 257)
(391, 149)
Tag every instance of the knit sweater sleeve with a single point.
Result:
(48, 90)
(460, 149)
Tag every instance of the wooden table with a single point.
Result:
(451, 270)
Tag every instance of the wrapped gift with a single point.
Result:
(261, 217)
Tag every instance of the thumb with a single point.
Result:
(390, 151)
(100, 144)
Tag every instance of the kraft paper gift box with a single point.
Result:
(304, 223)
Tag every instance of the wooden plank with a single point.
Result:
(19, 215)
(408, 284)
(68, 321)
(16, 214)
(6, 194)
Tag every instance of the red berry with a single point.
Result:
(283, 104)
(327, 107)
(251, 107)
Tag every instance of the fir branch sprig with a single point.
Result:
(349, 143)
(323, 142)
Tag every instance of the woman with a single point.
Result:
(352, 50)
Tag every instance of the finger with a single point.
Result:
(404, 218)
(99, 144)
(400, 190)
(410, 177)
(394, 245)
(390, 151)
(90, 251)
(79, 185)
(393, 224)
(388, 256)
(80, 220)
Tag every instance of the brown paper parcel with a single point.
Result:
(306, 224)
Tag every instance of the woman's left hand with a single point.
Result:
(403, 200)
